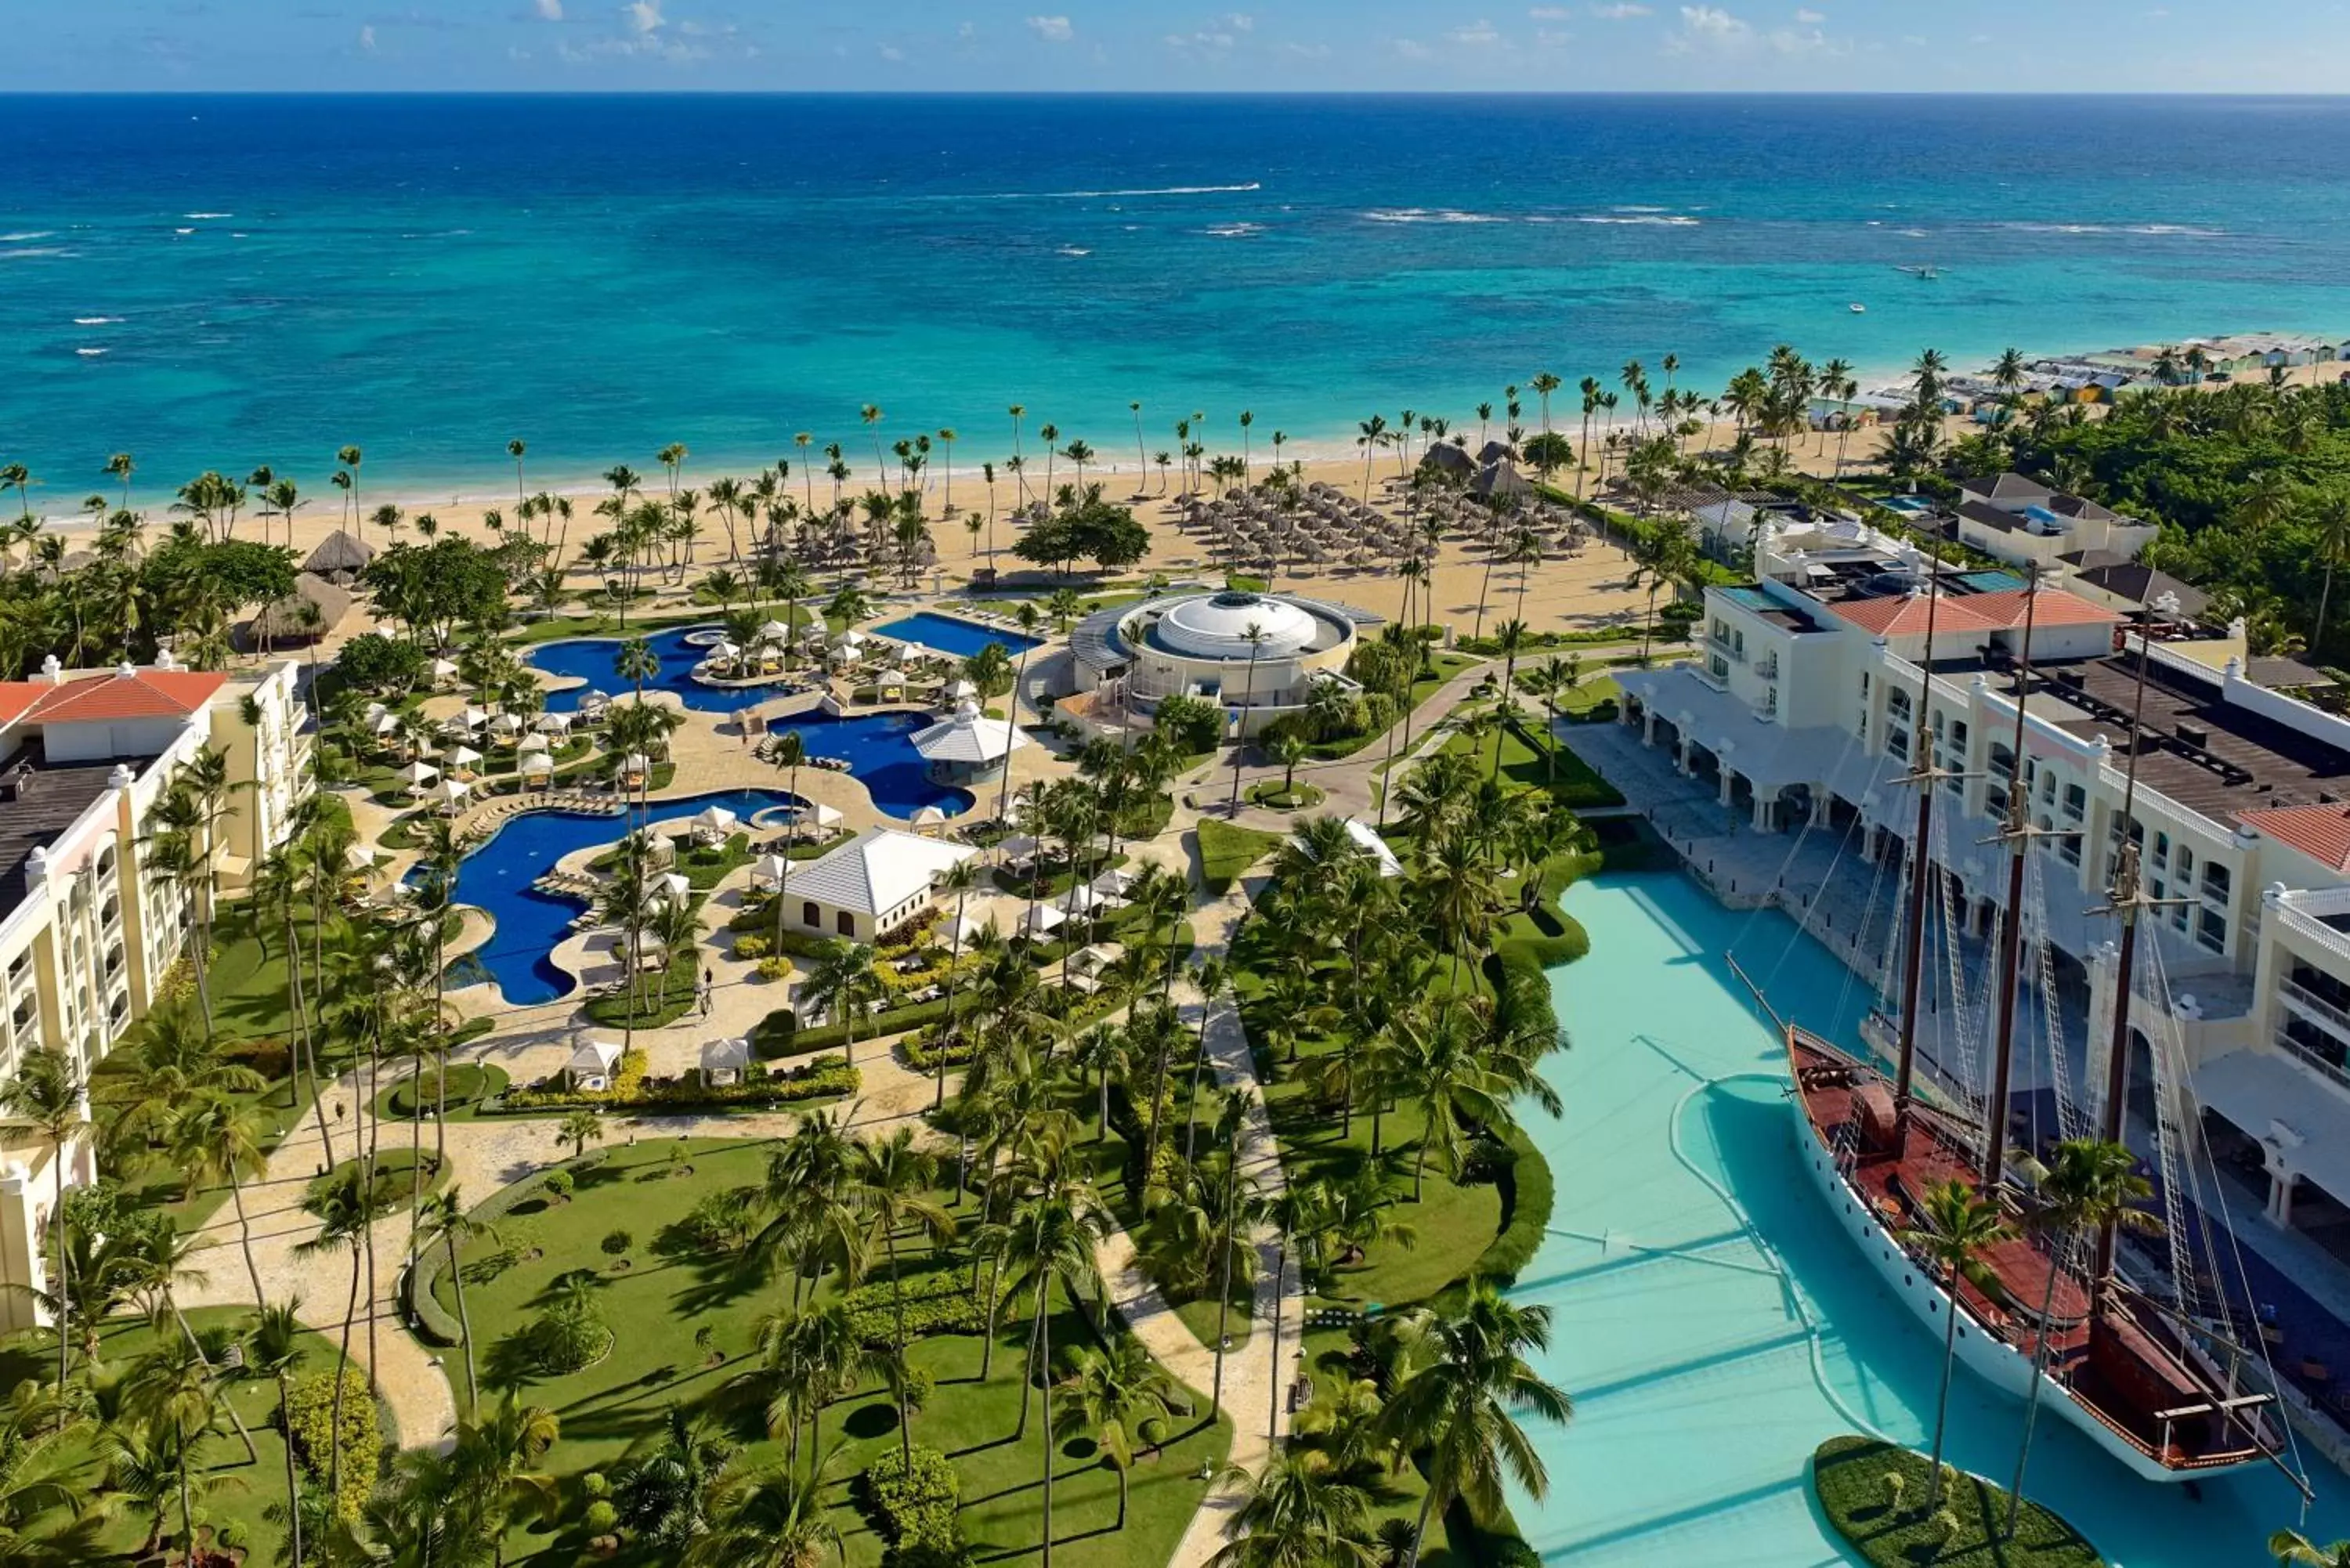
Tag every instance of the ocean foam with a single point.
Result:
(96, 320)
(201, 216)
(1651, 220)
(31, 252)
(1235, 231)
(2163, 231)
(1072, 251)
(183, 231)
(89, 353)
(28, 236)
(1425, 215)
(1099, 196)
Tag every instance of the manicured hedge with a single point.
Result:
(915, 1506)
(1848, 1476)
(939, 1302)
(819, 1079)
(310, 1427)
(432, 1323)
(1527, 1194)
(779, 1033)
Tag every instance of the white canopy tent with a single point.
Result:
(417, 774)
(1042, 920)
(592, 1063)
(723, 1061)
(715, 819)
(534, 741)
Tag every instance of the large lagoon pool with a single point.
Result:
(952, 634)
(593, 659)
(497, 877)
(1701, 1386)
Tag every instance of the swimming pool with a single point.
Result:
(1701, 1390)
(497, 877)
(592, 659)
(952, 634)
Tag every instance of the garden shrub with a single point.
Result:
(915, 1502)
(819, 1079)
(557, 1185)
(938, 1302)
(721, 1221)
(601, 1518)
(750, 946)
(781, 1035)
(568, 1335)
(775, 968)
(618, 1242)
(310, 1425)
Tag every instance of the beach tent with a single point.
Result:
(723, 1061)
(451, 792)
(715, 819)
(462, 757)
(533, 742)
(1041, 919)
(538, 762)
(769, 870)
(416, 775)
(553, 724)
(592, 1063)
(930, 816)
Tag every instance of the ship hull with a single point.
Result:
(2005, 1367)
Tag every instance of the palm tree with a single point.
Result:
(768, 1517)
(843, 983)
(217, 1139)
(443, 1219)
(276, 1351)
(2291, 1546)
(2090, 1184)
(1462, 1383)
(1253, 635)
(1296, 1512)
(1960, 1226)
(889, 1182)
(2330, 518)
(346, 1208)
(48, 1093)
(1051, 1239)
(959, 880)
(1111, 1392)
(578, 1127)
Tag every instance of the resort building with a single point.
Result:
(870, 887)
(2029, 523)
(87, 940)
(1804, 706)
(1257, 656)
(968, 747)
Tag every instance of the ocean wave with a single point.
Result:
(202, 216)
(1072, 251)
(1913, 234)
(27, 236)
(183, 231)
(2167, 231)
(1235, 231)
(1100, 195)
(97, 320)
(1425, 215)
(1651, 220)
(30, 253)
(1636, 209)
(89, 353)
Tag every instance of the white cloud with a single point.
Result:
(892, 53)
(549, 10)
(1552, 38)
(1306, 51)
(1240, 22)
(1623, 13)
(367, 39)
(1052, 29)
(644, 15)
(1551, 14)
(1411, 48)
(1211, 43)
(1810, 18)
(1712, 24)
(1477, 34)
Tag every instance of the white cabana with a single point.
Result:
(636, 763)
(417, 774)
(1094, 959)
(723, 1061)
(532, 742)
(360, 857)
(960, 690)
(928, 818)
(445, 669)
(715, 819)
(473, 718)
(1079, 900)
(674, 885)
(769, 870)
(592, 1063)
(773, 631)
(534, 763)
(822, 815)
(968, 744)
(913, 653)
(1113, 883)
(504, 724)
(451, 792)
(553, 724)
(462, 757)
(1018, 847)
(890, 677)
(723, 648)
(849, 638)
(386, 723)
(1041, 919)
(961, 930)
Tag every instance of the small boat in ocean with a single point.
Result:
(1923, 273)
(1857, 308)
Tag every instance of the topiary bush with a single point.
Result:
(914, 1504)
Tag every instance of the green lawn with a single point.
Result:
(1589, 693)
(1570, 780)
(1441, 668)
(1226, 851)
(469, 1083)
(243, 1490)
(1273, 797)
(1848, 1475)
(671, 1287)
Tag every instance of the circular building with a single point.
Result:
(1256, 654)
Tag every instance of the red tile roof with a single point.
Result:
(2320, 832)
(2056, 608)
(111, 699)
(1905, 616)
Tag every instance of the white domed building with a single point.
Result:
(1256, 655)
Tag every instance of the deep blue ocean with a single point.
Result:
(222, 282)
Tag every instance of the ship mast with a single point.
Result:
(2017, 833)
(1923, 774)
(2126, 896)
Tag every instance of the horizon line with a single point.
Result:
(1172, 93)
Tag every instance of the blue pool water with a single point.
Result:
(592, 659)
(877, 747)
(951, 634)
(497, 879)
(1698, 1399)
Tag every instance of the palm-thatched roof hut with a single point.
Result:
(288, 620)
(340, 556)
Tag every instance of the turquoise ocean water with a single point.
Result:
(230, 281)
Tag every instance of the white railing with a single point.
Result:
(2324, 1012)
(2304, 914)
(2311, 1059)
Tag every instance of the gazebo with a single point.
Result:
(416, 775)
(444, 671)
(713, 825)
(969, 746)
(535, 763)
(724, 1061)
(769, 871)
(929, 819)
(339, 558)
(553, 724)
(461, 759)
(592, 1063)
(1042, 921)
(451, 792)
(288, 620)
(536, 741)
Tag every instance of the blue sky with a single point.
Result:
(2146, 46)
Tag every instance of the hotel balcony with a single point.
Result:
(2322, 914)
